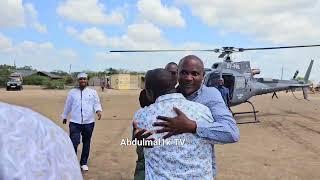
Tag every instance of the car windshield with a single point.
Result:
(14, 80)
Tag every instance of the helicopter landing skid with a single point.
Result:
(254, 112)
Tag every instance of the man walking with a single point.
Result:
(82, 102)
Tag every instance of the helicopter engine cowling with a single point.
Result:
(255, 71)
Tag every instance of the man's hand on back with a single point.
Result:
(176, 125)
(141, 134)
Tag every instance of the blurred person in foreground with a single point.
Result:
(33, 147)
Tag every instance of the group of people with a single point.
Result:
(175, 104)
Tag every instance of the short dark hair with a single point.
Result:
(143, 100)
(160, 81)
(172, 63)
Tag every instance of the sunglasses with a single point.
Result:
(82, 78)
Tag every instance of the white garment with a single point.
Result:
(173, 159)
(83, 105)
(33, 147)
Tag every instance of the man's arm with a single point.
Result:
(67, 108)
(223, 130)
(97, 105)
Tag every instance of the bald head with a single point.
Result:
(159, 82)
(193, 58)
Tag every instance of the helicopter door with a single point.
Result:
(229, 83)
(229, 80)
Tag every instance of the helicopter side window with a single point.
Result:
(240, 82)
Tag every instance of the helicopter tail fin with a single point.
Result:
(306, 77)
(295, 74)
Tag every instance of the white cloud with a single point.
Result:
(89, 11)
(143, 35)
(294, 21)
(15, 14)
(5, 43)
(90, 36)
(11, 13)
(31, 16)
(40, 55)
(156, 12)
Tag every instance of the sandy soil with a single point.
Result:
(284, 145)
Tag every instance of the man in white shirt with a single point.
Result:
(83, 103)
(33, 147)
(183, 156)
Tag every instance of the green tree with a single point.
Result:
(5, 71)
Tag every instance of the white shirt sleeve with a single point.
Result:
(97, 104)
(67, 106)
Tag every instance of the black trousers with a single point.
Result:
(86, 132)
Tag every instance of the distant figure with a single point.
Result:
(225, 93)
(103, 84)
(83, 103)
(172, 67)
(33, 147)
(108, 84)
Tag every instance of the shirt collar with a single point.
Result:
(196, 93)
(170, 96)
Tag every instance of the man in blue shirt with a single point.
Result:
(224, 92)
(223, 130)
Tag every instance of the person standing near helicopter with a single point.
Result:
(225, 93)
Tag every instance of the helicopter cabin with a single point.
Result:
(233, 74)
(212, 78)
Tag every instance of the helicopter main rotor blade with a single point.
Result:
(279, 47)
(165, 50)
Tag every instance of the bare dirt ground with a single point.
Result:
(284, 145)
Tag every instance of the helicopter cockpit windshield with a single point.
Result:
(212, 81)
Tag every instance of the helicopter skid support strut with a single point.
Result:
(254, 112)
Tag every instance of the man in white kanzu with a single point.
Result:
(188, 156)
(83, 103)
(33, 147)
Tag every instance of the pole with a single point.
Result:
(281, 72)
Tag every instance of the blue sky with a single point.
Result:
(51, 35)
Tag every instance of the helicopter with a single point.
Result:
(239, 77)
